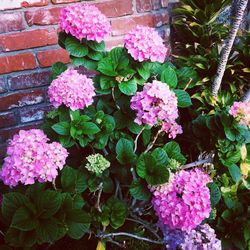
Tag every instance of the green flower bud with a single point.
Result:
(97, 163)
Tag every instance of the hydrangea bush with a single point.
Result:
(122, 164)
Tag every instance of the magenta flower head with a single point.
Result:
(156, 104)
(31, 157)
(144, 43)
(84, 21)
(184, 202)
(72, 89)
(203, 237)
(241, 112)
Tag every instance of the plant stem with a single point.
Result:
(54, 184)
(239, 13)
(136, 139)
(153, 142)
(116, 243)
(148, 227)
(131, 236)
(197, 163)
(97, 205)
(113, 96)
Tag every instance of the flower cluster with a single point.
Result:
(184, 202)
(144, 43)
(241, 111)
(97, 163)
(156, 104)
(84, 21)
(72, 89)
(201, 238)
(31, 157)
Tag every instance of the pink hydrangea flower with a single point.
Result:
(31, 157)
(184, 202)
(71, 89)
(156, 104)
(144, 43)
(84, 21)
(241, 111)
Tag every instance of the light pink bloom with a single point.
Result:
(144, 43)
(156, 104)
(31, 157)
(241, 112)
(184, 202)
(84, 21)
(71, 89)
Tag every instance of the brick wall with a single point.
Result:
(28, 48)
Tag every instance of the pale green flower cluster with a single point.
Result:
(173, 164)
(97, 163)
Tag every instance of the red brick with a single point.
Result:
(115, 8)
(156, 4)
(49, 57)
(15, 4)
(11, 22)
(7, 119)
(33, 113)
(2, 85)
(161, 19)
(114, 41)
(17, 62)
(164, 3)
(28, 39)
(143, 5)
(29, 80)
(20, 99)
(26, 4)
(8, 133)
(42, 16)
(123, 25)
(64, 1)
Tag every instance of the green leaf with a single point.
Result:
(134, 127)
(99, 47)
(215, 194)
(49, 202)
(235, 173)
(78, 215)
(61, 128)
(94, 55)
(229, 134)
(139, 191)
(187, 77)
(88, 64)
(106, 67)
(144, 70)
(68, 179)
(77, 230)
(49, 231)
(23, 220)
(58, 68)
(11, 202)
(119, 58)
(183, 97)
(146, 135)
(128, 88)
(156, 175)
(106, 82)
(173, 151)
(124, 151)
(148, 168)
(169, 76)
(90, 128)
(160, 156)
(75, 47)
(116, 211)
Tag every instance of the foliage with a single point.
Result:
(83, 204)
(198, 39)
